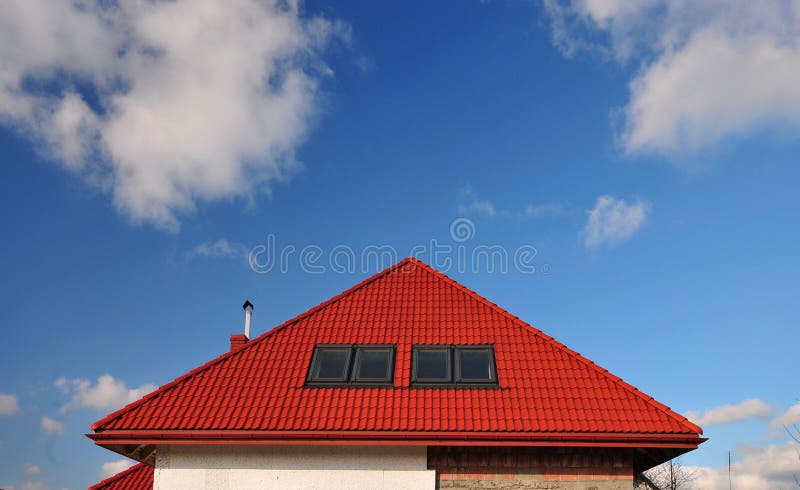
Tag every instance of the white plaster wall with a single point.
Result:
(292, 467)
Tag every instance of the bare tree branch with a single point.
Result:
(794, 433)
(668, 476)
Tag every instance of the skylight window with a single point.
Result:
(331, 363)
(474, 365)
(432, 364)
(351, 365)
(373, 364)
(458, 365)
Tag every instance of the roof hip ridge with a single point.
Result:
(530, 329)
(166, 387)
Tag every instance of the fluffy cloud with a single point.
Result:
(51, 426)
(34, 485)
(613, 221)
(29, 485)
(472, 205)
(728, 414)
(710, 71)
(31, 469)
(165, 104)
(107, 394)
(113, 467)
(221, 248)
(761, 468)
(8, 404)
(480, 207)
(787, 418)
(546, 209)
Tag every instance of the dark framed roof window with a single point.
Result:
(330, 364)
(475, 364)
(431, 364)
(453, 365)
(347, 365)
(374, 364)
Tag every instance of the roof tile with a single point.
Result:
(137, 477)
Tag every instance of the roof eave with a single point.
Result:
(393, 438)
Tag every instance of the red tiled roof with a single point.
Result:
(545, 388)
(137, 477)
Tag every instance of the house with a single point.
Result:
(407, 380)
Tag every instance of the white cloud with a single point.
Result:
(713, 88)
(761, 468)
(472, 205)
(107, 394)
(31, 469)
(613, 221)
(221, 248)
(34, 485)
(539, 210)
(8, 404)
(113, 467)
(181, 102)
(482, 207)
(728, 414)
(787, 418)
(51, 426)
(710, 71)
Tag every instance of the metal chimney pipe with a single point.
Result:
(248, 315)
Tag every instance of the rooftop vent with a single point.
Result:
(248, 315)
(238, 340)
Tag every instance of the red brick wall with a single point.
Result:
(528, 467)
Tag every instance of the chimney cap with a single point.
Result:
(248, 304)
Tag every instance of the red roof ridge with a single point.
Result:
(531, 329)
(162, 389)
(122, 474)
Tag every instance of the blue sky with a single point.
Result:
(647, 153)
